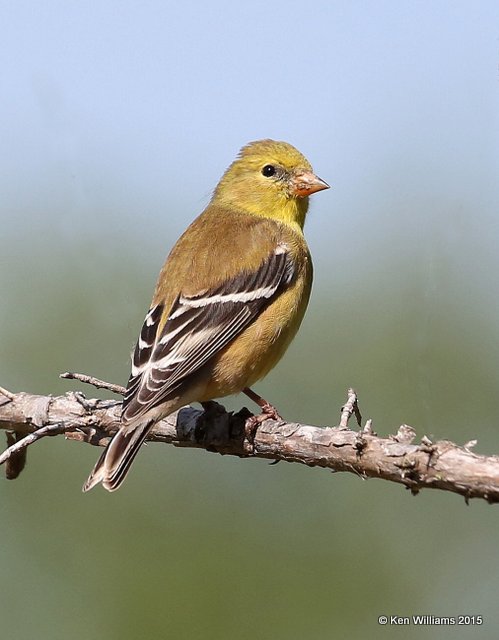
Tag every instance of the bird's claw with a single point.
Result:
(269, 412)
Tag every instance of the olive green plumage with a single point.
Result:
(229, 299)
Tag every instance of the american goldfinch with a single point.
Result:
(229, 299)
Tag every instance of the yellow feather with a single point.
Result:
(256, 214)
(244, 187)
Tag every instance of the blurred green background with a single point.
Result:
(117, 119)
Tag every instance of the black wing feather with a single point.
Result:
(198, 327)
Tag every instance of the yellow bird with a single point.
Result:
(229, 299)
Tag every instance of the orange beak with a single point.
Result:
(306, 183)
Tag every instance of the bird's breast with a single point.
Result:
(263, 343)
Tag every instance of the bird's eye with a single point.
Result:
(268, 170)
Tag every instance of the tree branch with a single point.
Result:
(440, 465)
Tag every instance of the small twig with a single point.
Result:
(368, 428)
(49, 430)
(349, 408)
(17, 461)
(7, 394)
(100, 384)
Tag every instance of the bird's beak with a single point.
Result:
(305, 183)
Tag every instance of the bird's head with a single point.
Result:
(271, 179)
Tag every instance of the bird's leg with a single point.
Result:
(268, 412)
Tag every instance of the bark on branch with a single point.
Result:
(397, 458)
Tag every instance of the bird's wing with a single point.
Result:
(198, 327)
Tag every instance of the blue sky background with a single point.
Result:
(116, 121)
(131, 111)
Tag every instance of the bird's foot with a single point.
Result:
(269, 412)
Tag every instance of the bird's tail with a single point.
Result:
(115, 461)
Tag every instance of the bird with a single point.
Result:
(228, 301)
